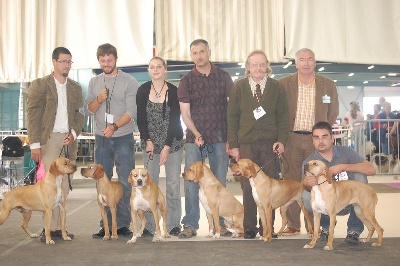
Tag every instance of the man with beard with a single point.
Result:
(54, 121)
(111, 99)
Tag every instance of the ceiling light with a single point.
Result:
(351, 74)
(335, 80)
(350, 87)
(371, 67)
(287, 65)
(237, 73)
(273, 75)
(365, 82)
(382, 77)
(321, 69)
(242, 65)
(392, 74)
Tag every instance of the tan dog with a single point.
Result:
(270, 194)
(331, 197)
(109, 193)
(146, 196)
(216, 200)
(42, 196)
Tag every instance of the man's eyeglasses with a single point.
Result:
(323, 137)
(65, 62)
(255, 65)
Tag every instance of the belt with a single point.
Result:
(302, 132)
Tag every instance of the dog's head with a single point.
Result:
(319, 169)
(94, 171)
(380, 162)
(245, 168)
(62, 166)
(195, 172)
(139, 178)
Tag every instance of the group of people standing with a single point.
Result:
(255, 118)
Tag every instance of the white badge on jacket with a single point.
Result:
(259, 112)
(326, 99)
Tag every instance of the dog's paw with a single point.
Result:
(50, 242)
(106, 237)
(328, 247)
(67, 238)
(157, 238)
(132, 240)
(376, 244)
(139, 235)
(309, 246)
(167, 235)
(33, 235)
(216, 236)
(235, 235)
(210, 233)
(114, 237)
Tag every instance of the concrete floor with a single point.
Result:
(83, 216)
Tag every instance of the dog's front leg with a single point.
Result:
(63, 220)
(134, 225)
(332, 223)
(157, 236)
(217, 226)
(114, 225)
(317, 218)
(47, 226)
(105, 221)
(210, 225)
(266, 221)
(283, 210)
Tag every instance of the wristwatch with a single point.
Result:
(115, 126)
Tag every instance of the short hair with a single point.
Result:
(323, 125)
(59, 50)
(302, 50)
(261, 52)
(159, 58)
(198, 41)
(106, 49)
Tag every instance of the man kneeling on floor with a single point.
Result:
(344, 163)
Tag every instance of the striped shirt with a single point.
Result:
(305, 115)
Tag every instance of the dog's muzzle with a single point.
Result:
(140, 182)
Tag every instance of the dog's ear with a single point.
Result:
(252, 169)
(199, 172)
(328, 175)
(130, 179)
(54, 169)
(99, 172)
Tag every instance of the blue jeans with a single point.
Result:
(354, 225)
(218, 160)
(173, 191)
(118, 151)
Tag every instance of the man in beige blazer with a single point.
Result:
(311, 98)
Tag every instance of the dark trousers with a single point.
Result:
(260, 153)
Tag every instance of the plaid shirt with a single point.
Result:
(305, 115)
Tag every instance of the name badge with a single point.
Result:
(109, 118)
(341, 176)
(326, 99)
(258, 112)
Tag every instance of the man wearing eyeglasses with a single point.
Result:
(54, 121)
(344, 163)
(311, 98)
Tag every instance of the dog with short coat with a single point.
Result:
(109, 193)
(42, 196)
(216, 200)
(329, 198)
(146, 196)
(270, 194)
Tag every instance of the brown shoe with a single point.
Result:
(187, 232)
(289, 231)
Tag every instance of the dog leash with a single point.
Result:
(65, 148)
(209, 149)
(148, 160)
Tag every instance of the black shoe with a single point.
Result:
(174, 231)
(147, 233)
(352, 238)
(225, 232)
(324, 235)
(124, 231)
(249, 235)
(99, 234)
(55, 235)
(274, 235)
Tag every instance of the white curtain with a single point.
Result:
(31, 29)
(233, 28)
(347, 31)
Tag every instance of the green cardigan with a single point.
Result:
(243, 128)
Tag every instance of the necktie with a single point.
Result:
(257, 94)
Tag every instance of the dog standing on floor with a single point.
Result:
(146, 196)
(270, 194)
(109, 193)
(216, 200)
(331, 197)
(42, 196)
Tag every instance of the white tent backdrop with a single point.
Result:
(30, 30)
(346, 31)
